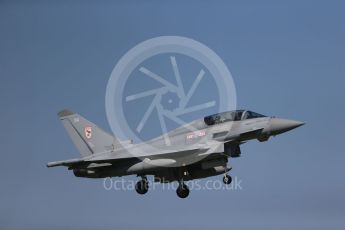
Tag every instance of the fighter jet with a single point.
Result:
(199, 149)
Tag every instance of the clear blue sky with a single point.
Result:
(286, 57)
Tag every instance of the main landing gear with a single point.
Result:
(182, 190)
(142, 186)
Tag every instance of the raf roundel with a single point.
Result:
(88, 132)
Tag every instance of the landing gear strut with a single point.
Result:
(182, 191)
(227, 179)
(142, 186)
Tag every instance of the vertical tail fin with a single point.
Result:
(86, 136)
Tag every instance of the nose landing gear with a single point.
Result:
(227, 179)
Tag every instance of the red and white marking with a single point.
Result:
(88, 132)
(196, 135)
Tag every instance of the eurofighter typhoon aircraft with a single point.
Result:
(197, 150)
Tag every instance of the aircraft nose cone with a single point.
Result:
(278, 125)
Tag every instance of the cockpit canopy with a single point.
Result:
(236, 115)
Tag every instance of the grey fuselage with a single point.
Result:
(196, 150)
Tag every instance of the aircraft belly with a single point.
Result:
(147, 165)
